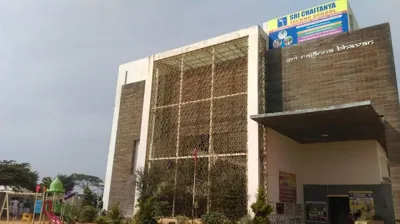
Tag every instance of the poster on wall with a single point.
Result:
(320, 21)
(287, 187)
(316, 211)
(362, 204)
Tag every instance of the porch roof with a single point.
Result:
(354, 121)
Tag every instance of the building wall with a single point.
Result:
(356, 74)
(122, 187)
(203, 107)
(381, 193)
(352, 162)
(336, 163)
(283, 155)
(127, 73)
(143, 70)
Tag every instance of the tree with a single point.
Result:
(46, 181)
(68, 181)
(84, 181)
(261, 208)
(17, 175)
(89, 198)
(100, 201)
(154, 194)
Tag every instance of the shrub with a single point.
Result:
(154, 196)
(114, 215)
(88, 214)
(103, 213)
(182, 220)
(261, 208)
(73, 212)
(101, 220)
(129, 221)
(214, 218)
(89, 198)
(228, 221)
(246, 220)
(136, 219)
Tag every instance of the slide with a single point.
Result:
(52, 217)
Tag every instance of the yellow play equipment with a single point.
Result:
(26, 217)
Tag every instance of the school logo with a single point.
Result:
(282, 22)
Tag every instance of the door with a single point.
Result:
(338, 210)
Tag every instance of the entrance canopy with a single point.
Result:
(355, 121)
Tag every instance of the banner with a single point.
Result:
(320, 21)
(287, 187)
(362, 204)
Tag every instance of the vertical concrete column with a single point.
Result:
(141, 70)
(141, 154)
(111, 151)
(253, 157)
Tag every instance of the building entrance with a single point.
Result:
(339, 208)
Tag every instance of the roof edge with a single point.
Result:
(312, 110)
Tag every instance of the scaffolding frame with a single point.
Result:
(192, 60)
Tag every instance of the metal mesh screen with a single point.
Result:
(199, 100)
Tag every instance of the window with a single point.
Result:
(135, 148)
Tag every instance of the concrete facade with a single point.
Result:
(126, 145)
(359, 67)
(119, 178)
(341, 69)
(336, 163)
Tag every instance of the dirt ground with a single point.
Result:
(167, 221)
(14, 222)
(164, 221)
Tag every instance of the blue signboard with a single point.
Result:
(328, 19)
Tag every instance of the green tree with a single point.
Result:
(84, 181)
(46, 181)
(18, 175)
(68, 181)
(115, 216)
(261, 208)
(89, 198)
(154, 194)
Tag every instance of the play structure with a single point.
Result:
(48, 205)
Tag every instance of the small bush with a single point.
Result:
(88, 214)
(130, 221)
(182, 220)
(214, 218)
(136, 219)
(115, 216)
(103, 213)
(261, 208)
(246, 220)
(74, 213)
(101, 220)
(227, 221)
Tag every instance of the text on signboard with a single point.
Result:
(337, 48)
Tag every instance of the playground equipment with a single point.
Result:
(6, 203)
(51, 207)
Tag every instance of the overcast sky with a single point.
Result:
(59, 61)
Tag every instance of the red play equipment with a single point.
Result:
(47, 209)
